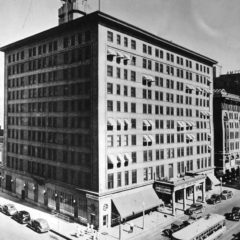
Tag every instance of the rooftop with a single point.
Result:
(105, 19)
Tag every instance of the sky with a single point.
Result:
(209, 27)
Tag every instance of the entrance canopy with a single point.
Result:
(213, 179)
(134, 203)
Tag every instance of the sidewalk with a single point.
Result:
(155, 221)
(68, 229)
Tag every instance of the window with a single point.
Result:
(110, 105)
(110, 36)
(110, 181)
(119, 179)
(125, 42)
(110, 140)
(109, 88)
(133, 76)
(134, 157)
(126, 177)
(109, 71)
(133, 44)
(134, 176)
(118, 39)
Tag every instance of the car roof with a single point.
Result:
(23, 212)
(177, 222)
(41, 220)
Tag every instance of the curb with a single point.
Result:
(59, 234)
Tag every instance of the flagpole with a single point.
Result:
(99, 4)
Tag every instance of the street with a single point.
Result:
(225, 206)
(11, 229)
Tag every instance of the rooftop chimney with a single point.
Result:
(70, 10)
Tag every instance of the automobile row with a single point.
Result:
(39, 225)
(195, 212)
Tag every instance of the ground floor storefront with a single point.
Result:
(109, 209)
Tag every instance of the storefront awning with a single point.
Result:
(213, 179)
(134, 203)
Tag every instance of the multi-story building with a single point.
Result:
(97, 111)
(226, 132)
(229, 81)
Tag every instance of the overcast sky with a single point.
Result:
(210, 27)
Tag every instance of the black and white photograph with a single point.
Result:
(119, 120)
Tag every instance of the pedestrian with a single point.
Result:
(131, 227)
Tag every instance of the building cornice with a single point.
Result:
(103, 18)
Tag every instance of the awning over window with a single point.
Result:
(111, 52)
(134, 203)
(111, 122)
(198, 89)
(146, 123)
(190, 124)
(151, 138)
(126, 57)
(213, 179)
(128, 157)
(148, 78)
(190, 87)
(181, 124)
(121, 158)
(120, 55)
(112, 159)
(121, 122)
(127, 122)
(150, 122)
(190, 137)
(146, 138)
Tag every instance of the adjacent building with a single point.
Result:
(98, 112)
(229, 81)
(226, 130)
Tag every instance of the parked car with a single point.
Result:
(236, 210)
(39, 225)
(175, 226)
(9, 209)
(215, 198)
(196, 207)
(226, 194)
(22, 217)
(232, 216)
